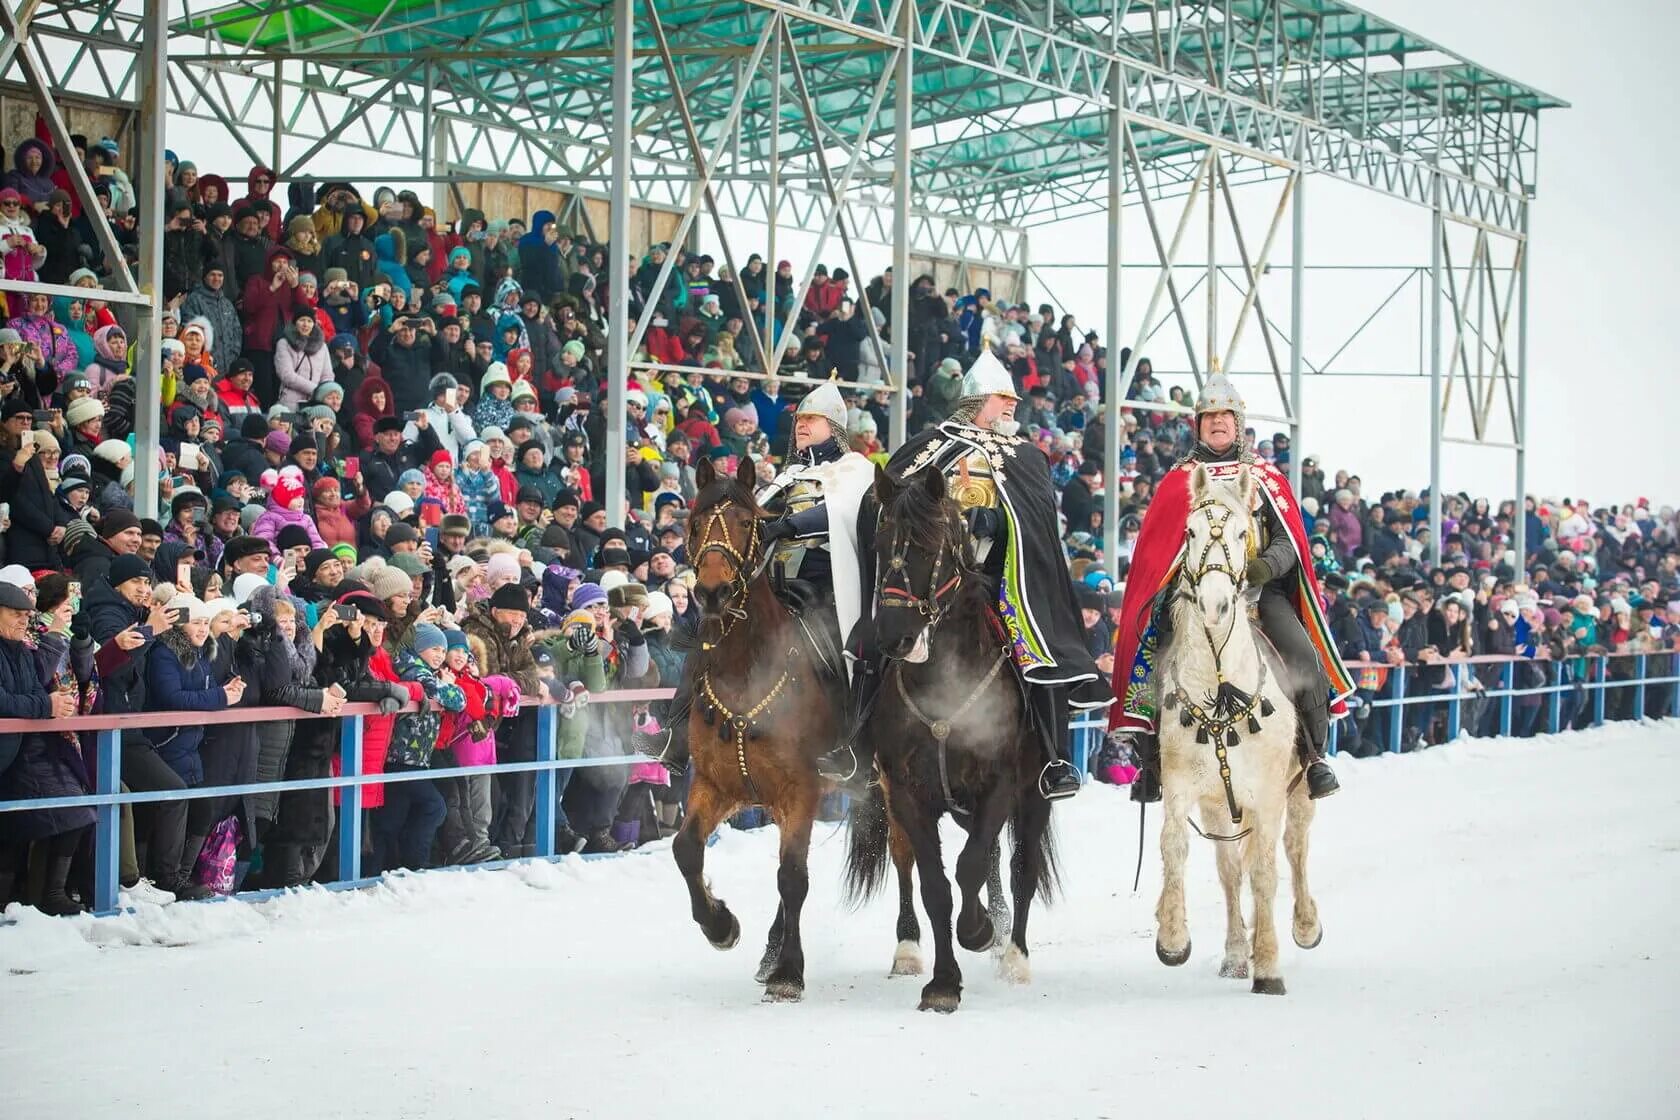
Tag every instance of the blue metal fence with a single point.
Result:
(1574, 686)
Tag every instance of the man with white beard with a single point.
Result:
(1002, 484)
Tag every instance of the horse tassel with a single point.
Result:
(1253, 724)
(1266, 708)
(1232, 738)
(1185, 719)
(1231, 699)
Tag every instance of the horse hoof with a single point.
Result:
(1314, 943)
(728, 940)
(978, 939)
(1268, 986)
(784, 991)
(1234, 970)
(1014, 966)
(1170, 959)
(907, 960)
(943, 1002)
(765, 968)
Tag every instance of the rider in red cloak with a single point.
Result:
(1290, 608)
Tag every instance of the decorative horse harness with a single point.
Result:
(715, 537)
(1217, 716)
(932, 608)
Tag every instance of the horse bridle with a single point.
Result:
(1218, 716)
(933, 606)
(714, 537)
(1217, 537)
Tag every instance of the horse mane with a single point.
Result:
(727, 490)
(923, 518)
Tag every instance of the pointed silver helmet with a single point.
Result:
(988, 377)
(825, 401)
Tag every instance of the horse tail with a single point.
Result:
(1049, 869)
(866, 846)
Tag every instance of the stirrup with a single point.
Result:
(839, 765)
(1058, 789)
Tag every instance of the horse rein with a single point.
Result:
(941, 729)
(1218, 716)
(933, 606)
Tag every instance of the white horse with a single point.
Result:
(1227, 734)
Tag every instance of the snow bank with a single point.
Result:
(1500, 923)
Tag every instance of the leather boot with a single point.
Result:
(1146, 749)
(1314, 713)
(669, 745)
(1058, 780)
(55, 900)
(851, 764)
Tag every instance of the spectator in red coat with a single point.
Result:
(269, 299)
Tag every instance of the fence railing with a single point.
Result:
(1572, 685)
(1568, 685)
(108, 797)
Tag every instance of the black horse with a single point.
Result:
(952, 732)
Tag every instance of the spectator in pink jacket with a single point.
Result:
(286, 507)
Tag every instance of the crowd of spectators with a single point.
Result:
(384, 467)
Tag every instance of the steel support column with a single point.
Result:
(1438, 233)
(618, 273)
(1297, 286)
(1519, 517)
(899, 375)
(148, 361)
(1115, 390)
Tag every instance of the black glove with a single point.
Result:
(982, 522)
(583, 639)
(1259, 572)
(394, 699)
(772, 531)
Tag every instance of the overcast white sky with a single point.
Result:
(1603, 285)
(1602, 396)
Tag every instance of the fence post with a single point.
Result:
(548, 730)
(1507, 682)
(1397, 713)
(107, 822)
(1455, 712)
(1639, 689)
(350, 804)
(1602, 673)
(1554, 699)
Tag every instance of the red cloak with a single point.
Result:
(1155, 559)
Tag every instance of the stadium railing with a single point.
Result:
(1573, 686)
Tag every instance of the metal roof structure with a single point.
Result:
(1000, 117)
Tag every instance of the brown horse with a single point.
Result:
(765, 711)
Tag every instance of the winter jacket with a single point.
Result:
(181, 681)
(251, 196)
(266, 307)
(227, 331)
(302, 365)
(408, 370)
(269, 523)
(539, 260)
(415, 735)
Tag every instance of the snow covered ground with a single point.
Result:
(1502, 922)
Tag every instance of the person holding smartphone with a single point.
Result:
(183, 675)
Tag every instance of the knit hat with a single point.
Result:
(313, 561)
(325, 483)
(84, 409)
(425, 637)
(117, 521)
(496, 374)
(587, 595)
(408, 563)
(292, 536)
(400, 533)
(455, 639)
(278, 442)
(286, 491)
(509, 597)
(388, 583)
(125, 568)
(502, 567)
(245, 584)
(400, 505)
